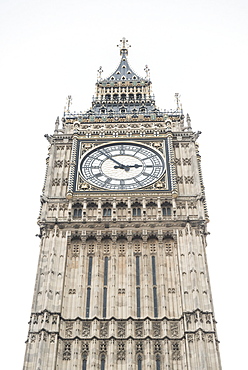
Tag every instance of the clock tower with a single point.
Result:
(122, 279)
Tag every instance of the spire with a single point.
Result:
(124, 72)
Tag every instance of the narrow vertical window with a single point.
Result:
(84, 364)
(105, 291)
(138, 284)
(90, 270)
(103, 362)
(158, 363)
(139, 363)
(154, 282)
(89, 287)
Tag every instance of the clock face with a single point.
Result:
(122, 166)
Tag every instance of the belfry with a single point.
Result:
(122, 279)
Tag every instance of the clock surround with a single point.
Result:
(122, 166)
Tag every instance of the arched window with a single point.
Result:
(107, 96)
(106, 212)
(166, 209)
(107, 209)
(131, 96)
(139, 362)
(123, 96)
(121, 208)
(77, 213)
(136, 211)
(115, 96)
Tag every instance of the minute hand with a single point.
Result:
(114, 160)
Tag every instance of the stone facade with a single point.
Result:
(122, 279)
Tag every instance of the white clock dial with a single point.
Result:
(122, 166)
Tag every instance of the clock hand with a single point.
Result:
(136, 166)
(127, 167)
(122, 166)
(114, 160)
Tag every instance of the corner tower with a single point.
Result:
(122, 280)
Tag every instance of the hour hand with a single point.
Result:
(122, 167)
(135, 166)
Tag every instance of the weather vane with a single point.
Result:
(124, 46)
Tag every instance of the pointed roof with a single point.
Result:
(124, 72)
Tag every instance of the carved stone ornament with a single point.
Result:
(121, 329)
(86, 329)
(174, 329)
(67, 351)
(68, 329)
(156, 329)
(139, 329)
(103, 329)
(121, 352)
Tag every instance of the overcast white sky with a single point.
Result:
(52, 48)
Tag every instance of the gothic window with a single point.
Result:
(151, 208)
(106, 212)
(77, 213)
(103, 362)
(138, 285)
(121, 209)
(158, 367)
(105, 283)
(166, 209)
(107, 96)
(154, 282)
(123, 96)
(115, 96)
(139, 362)
(136, 211)
(84, 364)
(139, 96)
(131, 96)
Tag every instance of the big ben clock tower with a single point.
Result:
(122, 279)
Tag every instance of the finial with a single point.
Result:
(56, 125)
(147, 70)
(124, 46)
(69, 102)
(179, 104)
(100, 71)
(188, 120)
